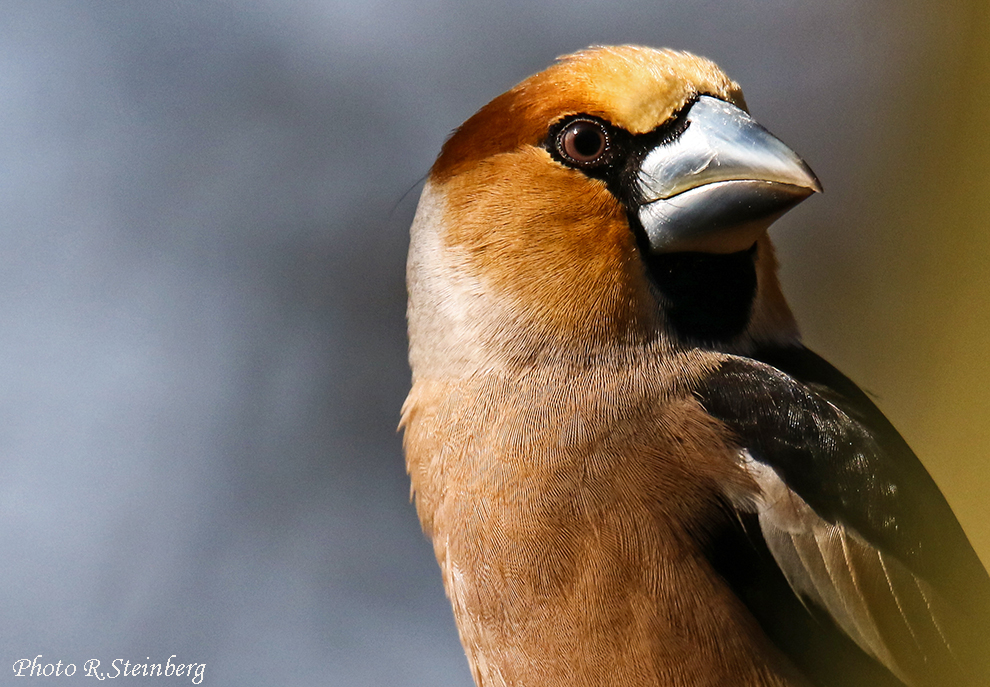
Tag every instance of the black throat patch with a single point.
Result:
(709, 297)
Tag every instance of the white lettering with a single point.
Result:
(91, 669)
(25, 667)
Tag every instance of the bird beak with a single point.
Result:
(720, 184)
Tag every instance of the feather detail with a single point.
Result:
(891, 613)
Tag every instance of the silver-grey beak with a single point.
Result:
(720, 184)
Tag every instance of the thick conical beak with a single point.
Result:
(720, 184)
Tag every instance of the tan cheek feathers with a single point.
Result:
(553, 240)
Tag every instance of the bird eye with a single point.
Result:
(583, 141)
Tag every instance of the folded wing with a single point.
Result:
(857, 527)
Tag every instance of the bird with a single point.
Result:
(631, 469)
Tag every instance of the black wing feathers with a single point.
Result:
(831, 445)
(848, 518)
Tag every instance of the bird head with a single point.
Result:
(621, 195)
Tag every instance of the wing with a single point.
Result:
(855, 526)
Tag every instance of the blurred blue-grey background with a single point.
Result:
(202, 345)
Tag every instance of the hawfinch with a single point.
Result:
(632, 471)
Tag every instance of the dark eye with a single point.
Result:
(583, 141)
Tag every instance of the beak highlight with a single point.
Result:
(720, 184)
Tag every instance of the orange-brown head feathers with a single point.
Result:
(633, 87)
(547, 218)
